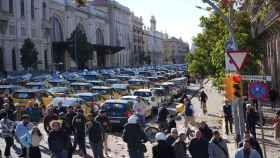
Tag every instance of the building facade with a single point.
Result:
(154, 43)
(175, 50)
(266, 30)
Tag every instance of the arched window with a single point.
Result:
(57, 34)
(14, 59)
(44, 10)
(46, 59)
(2, 66)
(99, 36)
(22, 8)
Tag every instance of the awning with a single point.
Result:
(104, 49)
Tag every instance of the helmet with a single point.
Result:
(160, 136)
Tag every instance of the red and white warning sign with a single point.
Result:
(238, 58)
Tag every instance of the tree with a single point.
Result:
(28, 55)
(82, 50)
(209, 56)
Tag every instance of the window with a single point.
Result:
(12, 30)
(32, 9)
(33, 32)
(14, 59)
(44, 10)
(46, 59)
(23, 31)
(22, 8)
(11, 6)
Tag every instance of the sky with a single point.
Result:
(179, 18)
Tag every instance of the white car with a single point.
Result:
(143, 102)
(151, 98)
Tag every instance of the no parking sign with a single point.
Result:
(258, 90)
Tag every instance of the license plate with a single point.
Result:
(115, 121)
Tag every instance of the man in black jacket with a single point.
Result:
(79, 124)
(96, 137)
(199, 146)
(134, 136)
(162, 149)
(228, 117)
(105, 122)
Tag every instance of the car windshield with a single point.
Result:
(143, 94)
(86, 98)
(116, 107)
(34, 86)
(24, 95)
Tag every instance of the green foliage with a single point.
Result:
(209, 56)
(28, 55)
(82, 50)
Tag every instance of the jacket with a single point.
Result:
(7, 127)
(215, 150)
(95, 132)
(180, 149)
(240, 154)
(79, 124)
(134, 136)
(35, 114)
(199, 148)
(22, 129)
(59, 141)
(105, 122)
(162, 114)
(162, 149)
(255, 145)
(206, 133)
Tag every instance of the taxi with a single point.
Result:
(9, 89)
(60, 91)
(121, 89)
(58, 82)
(81, 86)
(105, 92)
(137, 84)
(37, 85)
(109, 82)
(97, 82)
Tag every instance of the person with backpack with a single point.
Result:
(95, 133)
(135, 138)
(218, 147)
(32, 141)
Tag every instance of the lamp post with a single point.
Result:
(237, 103)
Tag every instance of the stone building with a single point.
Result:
(266, 29)
(175, 50)
(138, 40)
(154, 43)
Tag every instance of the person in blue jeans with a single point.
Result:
(134, 136)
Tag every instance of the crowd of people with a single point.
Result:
(67, 129)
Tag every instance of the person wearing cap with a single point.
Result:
(227, 111)
(23, 128)
(95, 133)
(134, 136)
(7, 127)
(198, 147)
(171, 138)
(49, 118)
(105, 122)
(218, 147)
(180, 146)
(162, 149)
(79, 128)
(59, 141)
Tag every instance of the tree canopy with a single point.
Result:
(29, 55)
(208, 58)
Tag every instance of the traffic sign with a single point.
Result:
(238, 58)
(256, 78)
(258, 90)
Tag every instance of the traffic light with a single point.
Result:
(232, 86)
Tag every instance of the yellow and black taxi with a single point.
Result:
(105, 92)
(60, 91)
(138, 84)
(121, 89)
(81, 86)
(58, 82)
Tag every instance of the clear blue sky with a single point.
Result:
(179, 18)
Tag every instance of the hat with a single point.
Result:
(174, 130)
(54, 122)
(160, 136)
(132, 119)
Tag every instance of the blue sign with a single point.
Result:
(258, 90)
